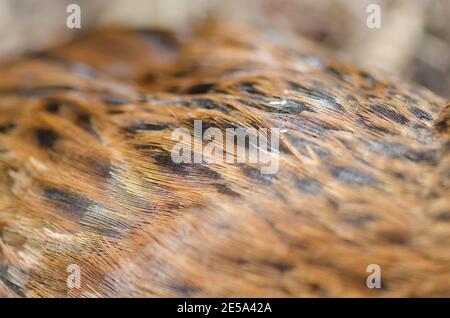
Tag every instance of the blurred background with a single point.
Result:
(413, 41)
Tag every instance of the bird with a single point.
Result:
(87, 176)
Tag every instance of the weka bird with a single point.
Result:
(86, 175)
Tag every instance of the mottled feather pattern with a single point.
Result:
(86, 175)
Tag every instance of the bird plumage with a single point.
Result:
(86, 175)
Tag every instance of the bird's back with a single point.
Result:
(88, 179)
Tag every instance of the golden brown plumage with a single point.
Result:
(86, 176)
